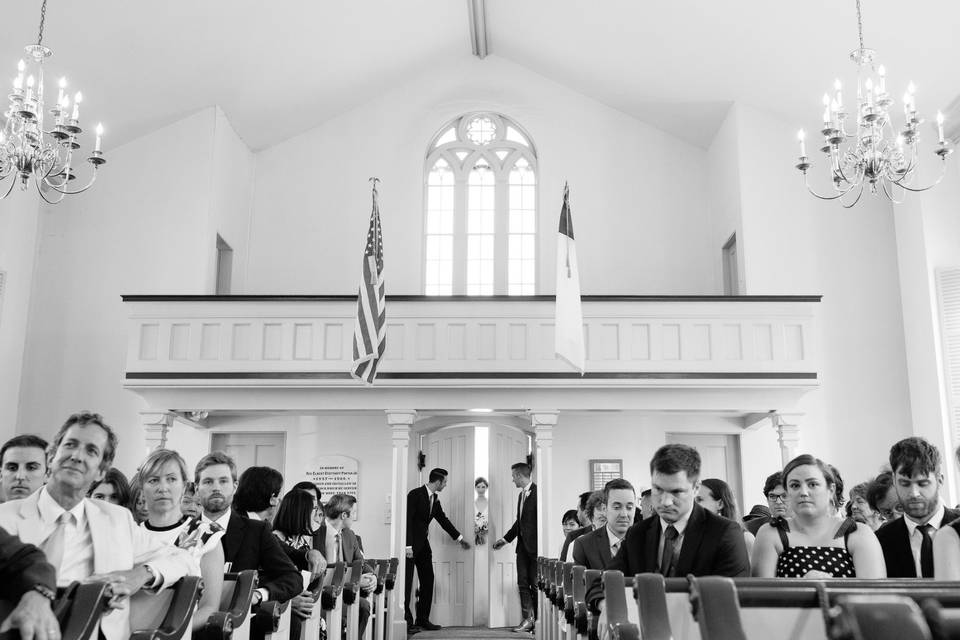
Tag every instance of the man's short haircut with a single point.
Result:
(83, 419)
(256, 487)
(878, 488)
(522, 468)
(121, 486)
(437, 474)
(306, 485)
(212, 459)
(914, 455)
(595, 501)
(339, 504)
(674, 458)
(155, 461)
(773, 481)
(570, 514)
(645, 493)
(25, 441)
(616, 483)
(582, 504)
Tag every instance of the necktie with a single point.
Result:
(523, 498)
(432, 496)
(54, 545)
(339, 547)
(926, 551)
(615, 548)
(666, 560)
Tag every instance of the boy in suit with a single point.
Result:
(524, 529)
(423, 505)
(907, 542)
(596, 549)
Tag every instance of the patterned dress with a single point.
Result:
(796, 561)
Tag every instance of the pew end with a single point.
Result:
(235, 600)
(166, 615)
(876, 617)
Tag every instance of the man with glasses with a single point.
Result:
(882, 497)
(776, 497)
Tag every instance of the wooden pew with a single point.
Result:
(581, 618)
(309, 628)
(389, 583)
(593, 621)
(351, 600)
(378, 602)
(235, 601)
(332, 600)
(166, 615)
(944, 624)
(77, 608)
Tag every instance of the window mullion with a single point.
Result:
(501, 226)
(460, 233)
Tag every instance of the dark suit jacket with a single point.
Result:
(593, 549)
(895, 543)
(249, 544)
(22, 567)
(525, 526)
(712, 546)
(350, 542)
(573, 535)
(419, 517)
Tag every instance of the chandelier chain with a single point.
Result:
(859, 23)
(43, 17)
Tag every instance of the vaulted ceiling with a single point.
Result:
(283, 67)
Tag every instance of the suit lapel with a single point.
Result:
(692, 537)
(233, 537)
(100, 533)
(604, 541)
(652, 540)
(31, 528)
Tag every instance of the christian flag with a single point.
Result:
(369, 337)
(569, 319)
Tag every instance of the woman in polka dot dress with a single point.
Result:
(816, 542)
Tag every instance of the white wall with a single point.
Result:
(723, 188)
(638, 195)
(19, 221)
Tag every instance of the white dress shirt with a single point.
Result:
(916, 536)
(613, 540)
(77, 542)
(680, 525)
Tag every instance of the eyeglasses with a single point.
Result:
(777, 497)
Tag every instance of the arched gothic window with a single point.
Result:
(480, 231)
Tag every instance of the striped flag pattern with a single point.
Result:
(369, 336)
(569, 315)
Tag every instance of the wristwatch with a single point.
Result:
(153, 576)
(45, 591)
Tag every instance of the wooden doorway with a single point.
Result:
(719, 457)
(252, 449)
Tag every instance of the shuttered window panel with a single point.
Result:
(948, 290)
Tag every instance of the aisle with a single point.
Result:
(472, 632)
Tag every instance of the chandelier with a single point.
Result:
(28, 149)
(873, 154)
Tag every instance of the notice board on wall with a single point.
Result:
(603, 471)
(335, 474)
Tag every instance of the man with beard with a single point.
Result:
(907, 542)
(247, 544)
(682, 538)
(596, 549)
(23, 466)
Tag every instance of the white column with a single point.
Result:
(400, 422)
(156, 427)
(543, 423)
(788, 435)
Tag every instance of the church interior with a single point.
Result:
(202, 292)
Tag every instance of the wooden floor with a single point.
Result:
(471, 632)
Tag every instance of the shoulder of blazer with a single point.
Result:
(889, 531)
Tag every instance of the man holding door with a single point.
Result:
(524, 529)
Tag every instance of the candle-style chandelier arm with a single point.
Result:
(943, 172)
(60, 188)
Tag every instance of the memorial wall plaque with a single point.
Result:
(335, 474)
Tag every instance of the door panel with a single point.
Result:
(252, 449)
(452, 449)
(507, 447)
(719, 457)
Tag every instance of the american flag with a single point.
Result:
(369, 337)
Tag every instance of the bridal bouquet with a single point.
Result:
(481, 526)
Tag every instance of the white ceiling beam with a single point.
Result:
(477, 13)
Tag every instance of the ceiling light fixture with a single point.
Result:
(27, 149)
(874, 154)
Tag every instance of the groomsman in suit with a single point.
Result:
(596, 549)
(23, 466)
(423, 505)
(907, 542)
(682, 537)
(524, 529)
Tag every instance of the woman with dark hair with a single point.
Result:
(258, 493)
(114, 488)
(816, 542)
(716, 495)
(293, 524)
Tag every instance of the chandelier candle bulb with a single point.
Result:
(77, 99)
(940, 126)
(63, 85)
(30, 82)
(839, 98)
(96, 147)
(803, 147)
(882, 74)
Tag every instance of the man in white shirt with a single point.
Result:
(596, 549)
(85, 538)
(907, 542)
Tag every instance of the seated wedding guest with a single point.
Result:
(113, 488)
(188, 503)
(585, 525)
(946, 549)
(23, 466)
(882, 497)
(84, 538)
(683, 538)
(646, 504)
(569, 522)
(293, 527)
(716, 496)
(815, 542)
(258, 493)
(776, 497)
(28, 581)
(860, 508)
(247, 544)
(164, 475)
(137, 504)
(596, 549)
(908, 541)
(314, 490)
